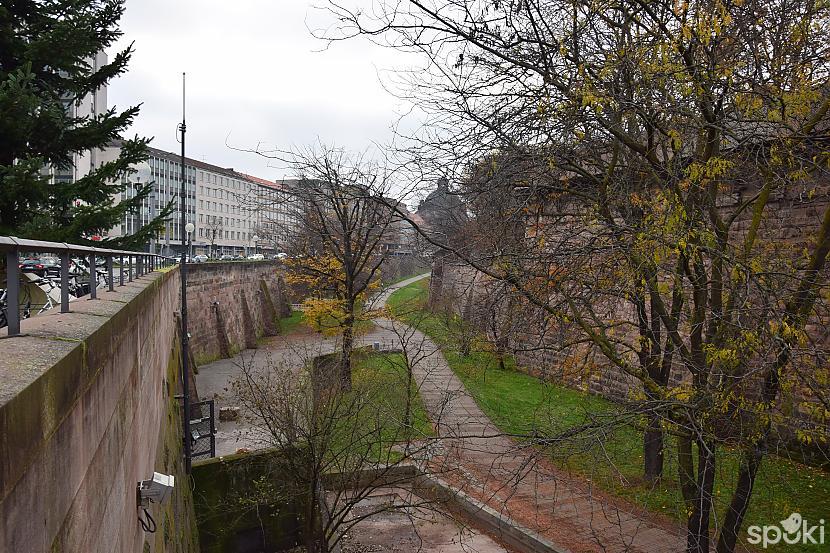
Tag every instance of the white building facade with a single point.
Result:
(233, 213)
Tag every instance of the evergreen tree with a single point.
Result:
(46, 48)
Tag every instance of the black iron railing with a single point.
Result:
(202, 429)
(130, 265)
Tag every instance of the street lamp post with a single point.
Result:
(255, 239)
(152, 206)
(186, 229)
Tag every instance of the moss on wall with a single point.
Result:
(244, 504)
(175, 519)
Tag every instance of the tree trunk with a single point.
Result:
(734, 517)
(686, 469)
(315, 533)
(346, 353)
(653, 449)
(408, 414)
(697, 535)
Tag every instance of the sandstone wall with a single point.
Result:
(537, 346)
(87, 410)
(230, 305)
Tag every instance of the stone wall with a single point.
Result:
(247, 502)
(87, 410)
(537, 346)
(230, 305)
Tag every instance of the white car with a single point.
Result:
(201, 258)
(256, 257)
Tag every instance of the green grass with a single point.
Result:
(296, 321)
(384, 376)
(403, 278)
(370, 420)
(523, 405)
(289, 325)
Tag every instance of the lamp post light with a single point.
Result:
(255, 239)
(189, 228)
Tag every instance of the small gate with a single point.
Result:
(202, 430)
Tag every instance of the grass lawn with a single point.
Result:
(521, 404)
(288, 325)
(403, 278)
(372, 423)
(384, 376)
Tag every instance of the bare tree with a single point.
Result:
(657, 145)
(339, 446)
(338, 252)
(213, 229)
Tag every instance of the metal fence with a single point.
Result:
(130, 265)
(202, 429)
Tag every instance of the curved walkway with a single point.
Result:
(513, 479)
(471, 453)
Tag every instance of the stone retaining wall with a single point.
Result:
(230, 305)
(469, 293)
(87, 410)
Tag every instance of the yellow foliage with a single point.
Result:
(325, 315)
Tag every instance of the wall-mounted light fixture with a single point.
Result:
(155, 490)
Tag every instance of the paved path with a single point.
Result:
(515, 480)
(471, 452)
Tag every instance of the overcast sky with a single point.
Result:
(254, 74)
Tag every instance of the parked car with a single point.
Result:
(226, 257)
(256, 257)
(40, 266)
(201, 258)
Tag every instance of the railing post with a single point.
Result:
(110, 283)
(65, 282)
(212, 430)
(130, 271)
(121, 270)
(12, 293)
(93, 277)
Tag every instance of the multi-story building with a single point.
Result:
(91, 105)
(233, 213)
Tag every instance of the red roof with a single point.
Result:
(263, 182)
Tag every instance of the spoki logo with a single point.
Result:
(792, 530)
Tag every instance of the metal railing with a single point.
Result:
(202, 429)
(137, 264)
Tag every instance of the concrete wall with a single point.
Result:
(86, 411)
(232, 304)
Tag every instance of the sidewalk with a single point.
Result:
(515, 480)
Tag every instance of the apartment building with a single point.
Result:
(238, 213)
